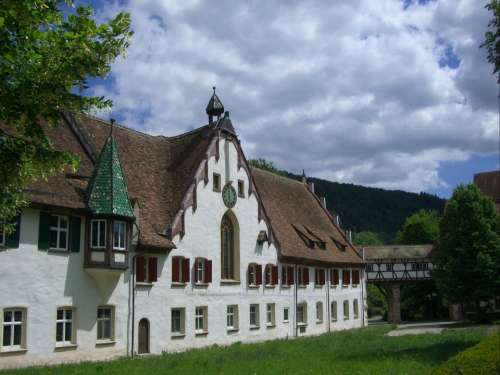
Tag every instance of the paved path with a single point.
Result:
(421, 328)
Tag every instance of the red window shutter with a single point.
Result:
(316, 276)
(185, 270)
(274, 270)
(139, 271)
(321, 277)
(258, 274)
(305, 273)
(175, 269)
(290, 275)
(208, 271)
(346, 277)
(153, 269)
(335, 277)
(248, 274)
(355, 277)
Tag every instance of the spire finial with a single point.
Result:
(215, 108)
(213, 87)
(112, 121)
(304, 178)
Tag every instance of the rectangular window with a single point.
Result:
(319, 276)
(232, 317)
(200, 270)
(177, 321)
(105, 323)
(355, 309)
(319, 312)
(270, 308)
(388, 267)
(201, 325)
(369, 267)
(286, 314)
(180, 270)
(333, 311)
(303, 275)
(14, 327)
(58, 232)
(346, 310)
(334, 277)
(146, 269)
(98, 233)
(302, 313)
(346, 278)
(355, 277)
(241, 188)
(251, 275)
(254, 316)
(216, 182)
(65, 326)
(119, 235)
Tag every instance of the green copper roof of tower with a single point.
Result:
(107, 191)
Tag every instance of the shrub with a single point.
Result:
(483, 358)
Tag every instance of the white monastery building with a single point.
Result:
(161, 244)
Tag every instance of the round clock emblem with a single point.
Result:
(229, 196)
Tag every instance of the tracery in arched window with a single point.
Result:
(228, 248)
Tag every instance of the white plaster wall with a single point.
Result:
(42, 281)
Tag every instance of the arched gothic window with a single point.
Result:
(228, 248)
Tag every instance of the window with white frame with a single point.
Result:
(252, 275)
(232, 317)
(13, 328)
(200, 319)
(98, 233)
(254, 316)
(177, 321)
(105, 323)
(216, 182)
(319, 312)
(2, 233)
(200, 270)
(119, 235)
(58, 232)
(333, 311)
(270, 314)
(346, 310)
(302, 313)
(286, 314)
(65, 326)
(355, 309)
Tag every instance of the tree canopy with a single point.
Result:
(46, 58)
(266, 165)
(420, 228)
(467, 253)
(492, 37)
(367, 238)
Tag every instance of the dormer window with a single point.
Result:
(98, 234)
(119, 235)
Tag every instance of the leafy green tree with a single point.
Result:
(367, 238)
(419, 228)
(467, 254)
(46, 58)
(266, 165)
(492, 37)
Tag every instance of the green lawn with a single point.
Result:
(365, 351)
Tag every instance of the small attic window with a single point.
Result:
(241, 189)
(340, 245)
(216, 181)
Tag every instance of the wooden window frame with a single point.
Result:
(217, 187)
(99, 245)
(256, 314)
(232, 318)
(58, 229)
(103, 321)
(271, 314)
(286, 319)
(241, 188)
(64, 321)
(182, 321)
(201, 314)
(12, 324)
(302, 315)
(120, 223)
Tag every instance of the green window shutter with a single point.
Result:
(74, 233)
(44, 231)
(12, 240)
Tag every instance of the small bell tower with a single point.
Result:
(214, 107)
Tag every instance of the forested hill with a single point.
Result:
(378, 210)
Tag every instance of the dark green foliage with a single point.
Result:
(419, 228)
(367, 238)
(492, 37)
(481, 359)
(363, 351)
(377, 301)
(422, 301)
(467, 253)
(266, 165)
(46, 58)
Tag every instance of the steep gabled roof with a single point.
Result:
(297, 218)
(107, 190)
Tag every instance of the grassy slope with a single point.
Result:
(365, 351)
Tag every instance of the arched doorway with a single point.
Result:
(143, 336)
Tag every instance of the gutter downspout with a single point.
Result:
(328, 299)
(133, 304)
(363, 281)
(295, 282)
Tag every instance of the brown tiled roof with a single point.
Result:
(489, 184)
(296, 215)
(158, 170)
(396, 252)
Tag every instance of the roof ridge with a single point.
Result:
(278, 175)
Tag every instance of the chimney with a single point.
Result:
(323, 202)
(349, 236)
(311, 186)
(337, 220)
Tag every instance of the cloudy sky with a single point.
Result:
(387, 93)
